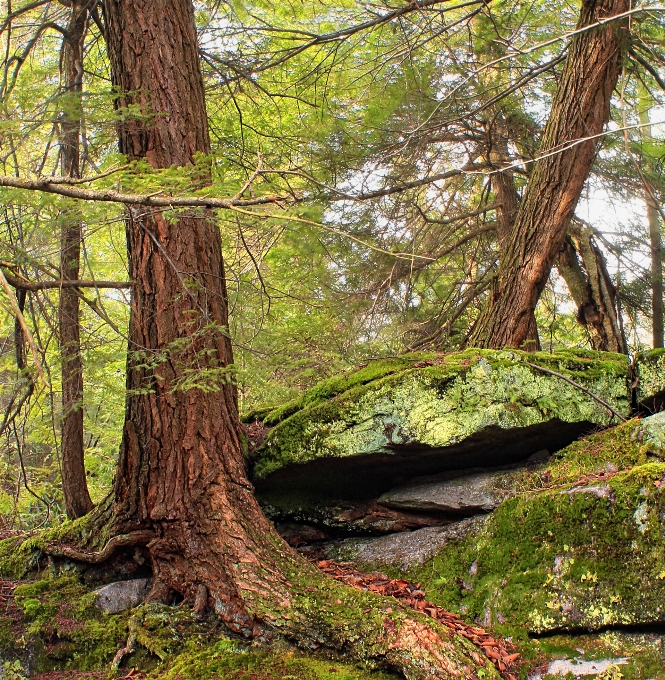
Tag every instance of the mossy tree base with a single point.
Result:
(314, 612)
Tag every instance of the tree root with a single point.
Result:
(134, 538)
(129, 648)
(497, 651)
(371, 629)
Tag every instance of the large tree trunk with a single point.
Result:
(582, 266)
(181, 472)
(74, 483)
(181, 469)
(580, 109)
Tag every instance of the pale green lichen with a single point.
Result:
(444, 403)
(650, 370)
(651, 431)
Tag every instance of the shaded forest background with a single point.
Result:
(381, 150)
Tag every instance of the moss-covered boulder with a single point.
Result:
(650, 379)
(580, 548)
(357, 436)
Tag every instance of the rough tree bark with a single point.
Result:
(582, 266)
(580, 109)
(505, 191)
(181, 476)
(74, 483)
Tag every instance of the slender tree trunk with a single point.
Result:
(19, 337)
(181, 472)
(582, 266)
(580, 109)
(655, 238)
(74, 483)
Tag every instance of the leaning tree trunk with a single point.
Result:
(582, 266)
(505, 191)
(181, 477)
(580, 110)
(74, 483)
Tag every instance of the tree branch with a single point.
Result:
(62, 187)
(23, 284)
(16, 310)
(602, 402)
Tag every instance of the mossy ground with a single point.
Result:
(53, 625)
(438, 401)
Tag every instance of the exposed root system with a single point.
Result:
(134, 538)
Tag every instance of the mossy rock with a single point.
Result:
(650, 374)
(569, 556)
(397, 419)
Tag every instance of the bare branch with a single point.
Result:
(16, 310)
(64, 187)
(23, 284)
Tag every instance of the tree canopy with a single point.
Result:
(368, 153)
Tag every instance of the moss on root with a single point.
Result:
(233, 661)
(60, 629)
(440, 401)
(55, 626)
(23, 555)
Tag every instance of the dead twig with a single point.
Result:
(21, 319)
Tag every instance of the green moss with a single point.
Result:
(62, 628)
(614, 449)
(20, 556)
(229, 660)
(6, 635)
(650, 369)
(336, 385)
(644, 652)
(443, 403)
(590, 556)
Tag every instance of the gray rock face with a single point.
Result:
(404, 550)
(579, 667)
(465, 495)
(651, 431)
(122, 595)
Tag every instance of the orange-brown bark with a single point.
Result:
(181, 483)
